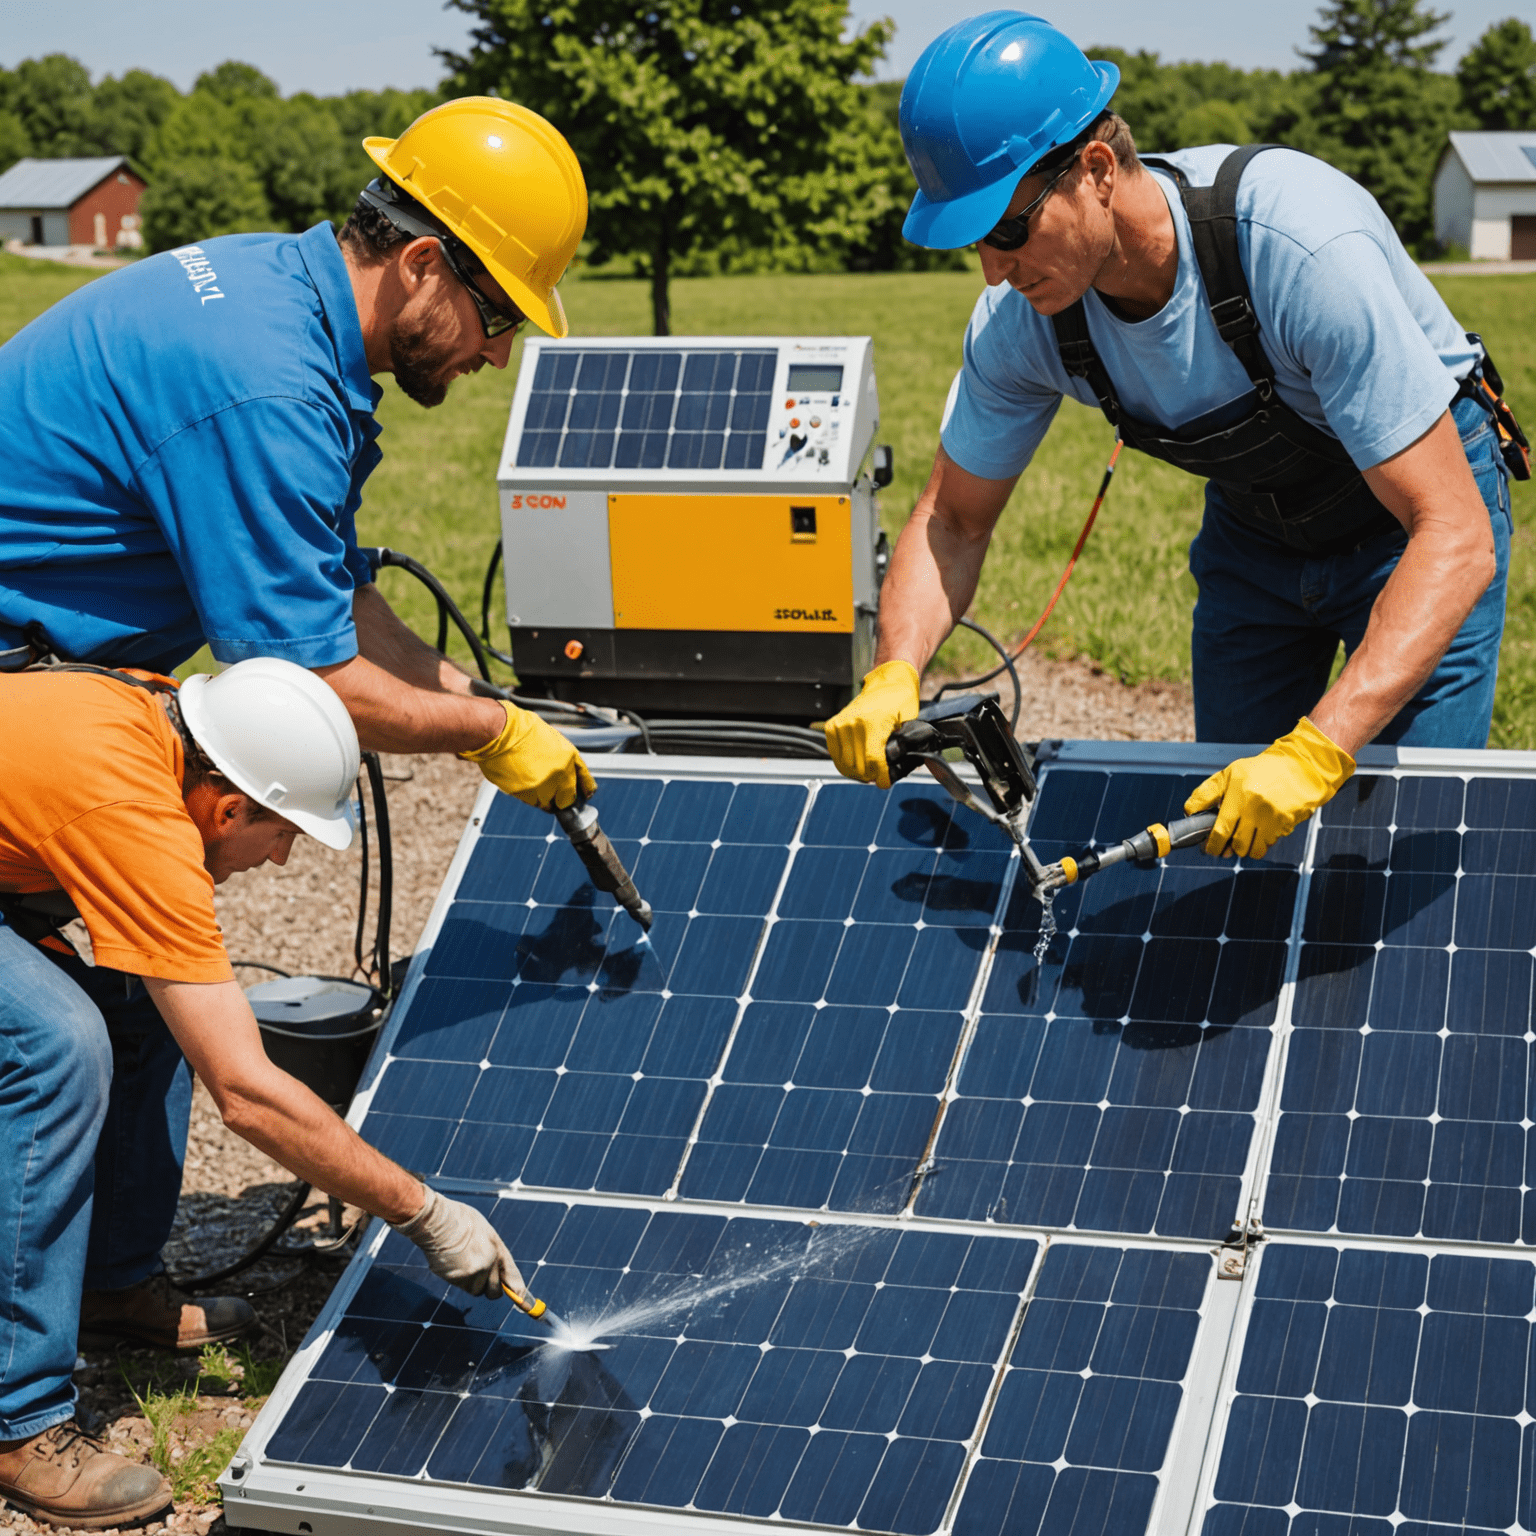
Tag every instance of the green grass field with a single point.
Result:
(1128, 605)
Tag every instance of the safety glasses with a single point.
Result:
(494, 319)
(1010, 234)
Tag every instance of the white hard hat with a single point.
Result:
(280, 735)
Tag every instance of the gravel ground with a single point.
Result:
(302, 918)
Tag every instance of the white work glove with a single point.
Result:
(461, 1246)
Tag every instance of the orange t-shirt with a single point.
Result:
(90, 804)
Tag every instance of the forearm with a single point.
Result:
(281, 1117)
(392, 715)
(1415, 618)
(387, 641)
(1445, 569)
(217, 1032)
(937, 562)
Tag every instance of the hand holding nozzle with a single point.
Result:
(1154, 843)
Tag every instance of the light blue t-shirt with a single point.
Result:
(1361, 343)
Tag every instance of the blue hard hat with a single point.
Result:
(983, 103)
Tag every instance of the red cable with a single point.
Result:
(1082, 539)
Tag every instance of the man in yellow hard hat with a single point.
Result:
(186, 440)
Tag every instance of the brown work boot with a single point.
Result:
(154, 1312)
(64, 1476)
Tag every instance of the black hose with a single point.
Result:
(485, 593)
(965, 685)
(386, 875)
(446, 607)
(362, 898)
(286, 1218)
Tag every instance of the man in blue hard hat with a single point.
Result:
(1251, 316)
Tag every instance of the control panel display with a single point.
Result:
(815, 378)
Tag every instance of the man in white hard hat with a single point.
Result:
(186, 441)
(126, 802)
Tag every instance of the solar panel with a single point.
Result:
(1114, 1086)
(605, 409)
(843, 1392)
(1404, 1106)
(1381, 1384)
(891, 1228)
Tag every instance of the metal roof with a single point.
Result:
(54, 183)
(1487, 156)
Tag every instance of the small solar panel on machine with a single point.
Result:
(648, 410)
(1405, 1102)
(1114, 1087)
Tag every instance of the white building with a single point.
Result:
(1485, 195)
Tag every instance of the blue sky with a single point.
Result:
(334, 45)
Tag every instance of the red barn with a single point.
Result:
(91, 202)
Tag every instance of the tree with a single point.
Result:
(232, 81)
(697, 122)
(1381, 114)
(53, 98)
(126, 113)
(200, 197)
(1497, 77)
(1214, 122)
(13, 140)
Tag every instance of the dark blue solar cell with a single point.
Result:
(1344, 906)
(667, 1460)
(537, 450)
(870, 1393)
(1460, 1470)
(1321, 1071)
(1490, 994)
(1262, 905)
(912, 1488)
(822, 1314)
(742, 879)
(1367, 1355)
(1098, 977)
(435, 1089)
(1472, 1364)
(1152, 1342)
(797, 961)
(325, 1423)
(1284, 1338)
(404, 1432)
(705, 1380)
(1123, 1423)
(1381, 1149)
(872, 963)
(1058, 1335)
(1004, 1496)
(834, 1475)
(1033, 1415)
(751, 1469)
(975, 1325)
(1261, 1451)
(791, 1386)
(942, 970)
(503, 869)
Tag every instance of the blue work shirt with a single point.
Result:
(1361, 343)
(184, 445)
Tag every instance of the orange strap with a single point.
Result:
(1082, 539)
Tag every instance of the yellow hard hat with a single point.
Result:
(506, 183)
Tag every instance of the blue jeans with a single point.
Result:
(94, 1101)
(1268, 622)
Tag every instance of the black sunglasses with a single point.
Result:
(494, 319)
(1010, 234)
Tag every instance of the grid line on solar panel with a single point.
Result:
(1405, 1102)
(602, 409)
(1379, 1391)
(760, 1368)
(1115, 1087)
(791, 1045)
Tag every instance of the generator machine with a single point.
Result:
(688, 523)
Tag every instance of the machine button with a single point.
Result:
(802, 524)
(573, 650)
(822, 456)
(797, 442)
(834, 400)
(815, 421)
(789, 405)
(794, 421)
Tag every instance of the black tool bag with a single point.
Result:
(1485, 386)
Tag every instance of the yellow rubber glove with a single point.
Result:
(533, 762)
(857, 734)
(1267, 797)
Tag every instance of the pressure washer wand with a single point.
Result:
(604, 867)
(533, 1307)
(1157, 841)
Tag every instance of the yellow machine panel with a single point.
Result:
(774, 564)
